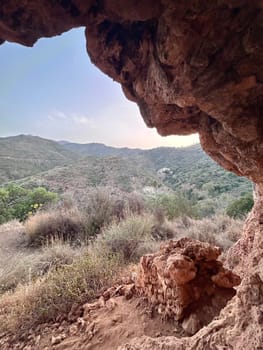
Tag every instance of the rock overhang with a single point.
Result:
(192, 66)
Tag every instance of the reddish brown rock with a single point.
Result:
(184, 276)
(191, 66)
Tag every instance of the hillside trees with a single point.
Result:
(173, 205)
(240, 207)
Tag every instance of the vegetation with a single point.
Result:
(44, 227)
(17, 202)
(240, 207)
(173, 205)
(53, 295)
(25, 155)
(219, 230)
(66, 222)
(34, 162)
(111, 210)
(129, 239)
(26, 267)
(41, 278)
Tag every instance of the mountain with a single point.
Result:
(118, 174)
(74, 169)
(99, 149)
(185, 168)
(25, 155)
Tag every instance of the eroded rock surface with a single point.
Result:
(185, 281)
(191, 66)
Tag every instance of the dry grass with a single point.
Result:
(26, 266)
(20, 264)
(54, 278)
(53, 295)
(12, 237)
(220, 230)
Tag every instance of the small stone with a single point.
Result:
(37, 339)
(73, 329)
(191, 324)
(81, 322)
(58, 339)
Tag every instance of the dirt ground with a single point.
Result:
(101, 327)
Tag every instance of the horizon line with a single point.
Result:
(99, 143)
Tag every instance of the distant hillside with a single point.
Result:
(190, 169)
(99, 149)
(115, 173)
(75, 168)
(25, 155)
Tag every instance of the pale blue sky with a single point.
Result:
(53, 91)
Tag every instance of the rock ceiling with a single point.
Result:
(191, 66)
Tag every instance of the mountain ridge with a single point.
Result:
(76, 168)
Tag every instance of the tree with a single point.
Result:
(5, 213)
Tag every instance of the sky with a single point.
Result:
(54, 91)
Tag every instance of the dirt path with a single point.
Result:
(101, 327)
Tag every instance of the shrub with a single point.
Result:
(129, 239)
(5, 213)
(43, 227)
(240, 207)
(98, 212)
(103, 208)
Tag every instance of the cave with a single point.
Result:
(192, 67)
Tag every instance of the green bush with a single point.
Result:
(18, 203)
(173, 205)
(5, 213)
(240, 207)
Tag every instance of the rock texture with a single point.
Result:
(185, 281)
(191, 66)
(240, 324)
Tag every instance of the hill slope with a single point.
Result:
(188, 169)
(99, 149)
(25, 155)
(116, 173)
(75, 168)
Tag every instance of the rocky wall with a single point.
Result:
(191, 66)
